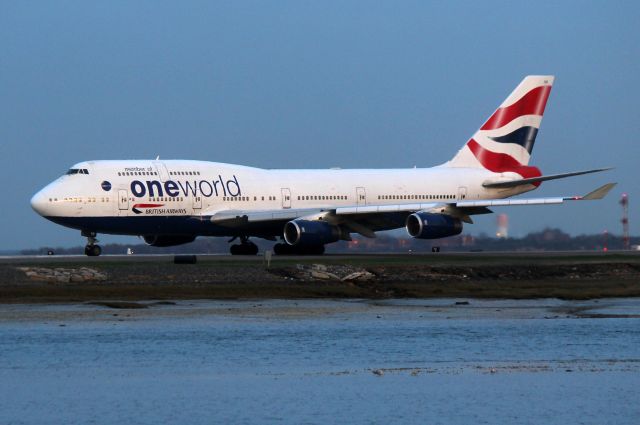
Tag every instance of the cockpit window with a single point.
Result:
(77, 171)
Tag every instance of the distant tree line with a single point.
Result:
(545, 240)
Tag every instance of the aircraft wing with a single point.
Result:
(367, 219)
(599, 193)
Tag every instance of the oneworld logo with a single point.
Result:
(205, 188)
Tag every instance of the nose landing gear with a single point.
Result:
(91, 249)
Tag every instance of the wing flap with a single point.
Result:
(509, 202)
(377, 209)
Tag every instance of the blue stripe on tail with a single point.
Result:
(524, 136)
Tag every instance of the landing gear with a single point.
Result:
(245, 247)
(286, 249)
(91, 249)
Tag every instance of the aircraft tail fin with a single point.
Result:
(505, 141)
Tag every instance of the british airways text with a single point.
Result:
(206, 188)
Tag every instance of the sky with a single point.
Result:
(300, 84)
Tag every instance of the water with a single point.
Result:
(400, 361)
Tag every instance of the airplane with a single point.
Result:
(171, 202)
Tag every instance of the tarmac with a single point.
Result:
(142, 258)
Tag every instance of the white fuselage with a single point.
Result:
(185, 188)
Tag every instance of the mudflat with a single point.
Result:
(467, 275)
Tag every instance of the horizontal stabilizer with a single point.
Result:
(520, 182)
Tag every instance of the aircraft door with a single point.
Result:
(286, 198)
(361, 196)
(462, 193)
(197, 202)
(123, 200)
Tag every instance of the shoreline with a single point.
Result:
(469, 275)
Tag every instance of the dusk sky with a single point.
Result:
(314, 85)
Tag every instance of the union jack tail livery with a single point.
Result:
(505, 141)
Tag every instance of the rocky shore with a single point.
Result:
(463, 275)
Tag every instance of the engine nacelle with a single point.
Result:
(167, 240)
(309, 233)
(422, 225)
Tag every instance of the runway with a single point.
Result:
(384, 257)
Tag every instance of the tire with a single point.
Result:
(281, 249)
(285, 249)
(244, 249)
(92, 250)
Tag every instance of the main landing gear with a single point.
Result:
(91, 249)
(245, 247)
(286, 249)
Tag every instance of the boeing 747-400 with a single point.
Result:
(171, 202)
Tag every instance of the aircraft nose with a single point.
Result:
(39, 202)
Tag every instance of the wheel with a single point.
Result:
(252, 249)
(279, 249)
(286, 249)
(318, 250)
(311, 250)
(92, 250)
(248, 248)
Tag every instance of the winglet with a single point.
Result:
(599, 193)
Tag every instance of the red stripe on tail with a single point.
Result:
(501, 162)
(532, 103)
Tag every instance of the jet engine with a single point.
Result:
(423, 225)
(167, 240)
(309, 233)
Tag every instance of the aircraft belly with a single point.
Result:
(166, 225)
